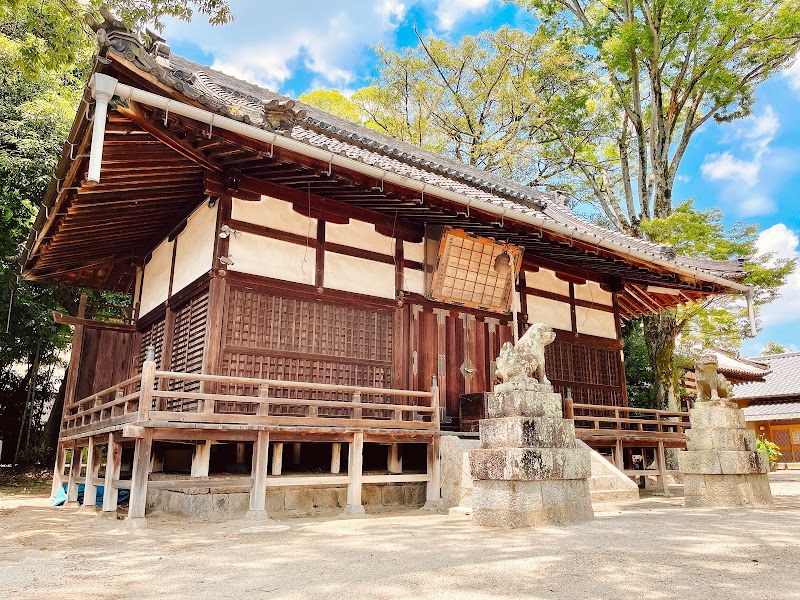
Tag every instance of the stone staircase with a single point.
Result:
(607, 483)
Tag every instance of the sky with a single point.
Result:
(749, 168)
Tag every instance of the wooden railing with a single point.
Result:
(594, 422)
(192, 397)
(117, 403)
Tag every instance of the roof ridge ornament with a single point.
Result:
(281, 117)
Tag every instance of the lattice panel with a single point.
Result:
(187, 348)
(154, 335)
(258, 320)
(276, 337)
(593, 374)
(465, 273)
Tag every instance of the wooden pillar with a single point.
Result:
(433, 491)
(146, 394)
(240, 453)
(336, 457)
(296, 453)
(201, 459)
(113, 466)
(355, 472)
(662, 470)
(58, 470)
(74, 472)
(258, 493)
(618, 459)
(277, 458)
(139, 475)
(395, 461)
(92, 471)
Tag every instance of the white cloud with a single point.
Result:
(449, 12)
(266, 46)
(782, 242)
(725, 166)
(683, 178)
(793, 75)
(743, 170)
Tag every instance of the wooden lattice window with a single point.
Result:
(188, 340)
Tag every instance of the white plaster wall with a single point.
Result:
(552, 312)
(195, 252)
(359, 234)
(591, 291)
(414, 251)
(596, 322)
(414, 281)
(274, 213)
(359, 275)
(137, 285)
(545, 279)
(155, 281)
(268, 257)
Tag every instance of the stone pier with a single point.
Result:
(721, 466)
(528, 471)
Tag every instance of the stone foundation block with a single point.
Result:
(524, 403)
(750, 490)
(526, 432)
(530, 503)
(722, 462)
(527, 464)
(721, 439)
(716, 415)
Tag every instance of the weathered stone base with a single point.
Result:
(291, 501)
(751, 490)
(516, 504)
(528, 464)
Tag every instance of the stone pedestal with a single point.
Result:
(528, 471)
(721, 466)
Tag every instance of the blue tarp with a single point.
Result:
(61, 496)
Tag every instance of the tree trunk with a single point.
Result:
(659, 336)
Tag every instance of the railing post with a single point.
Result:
(435, 401)
(263, 407)
(357, 409)
(148, 383)
(569, 409)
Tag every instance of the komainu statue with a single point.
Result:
(521, 365)
(710, 384)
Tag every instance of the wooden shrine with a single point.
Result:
(298, 279)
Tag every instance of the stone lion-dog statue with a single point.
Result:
(711, 385)
(522, 365)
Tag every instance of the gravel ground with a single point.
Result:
(653, 549)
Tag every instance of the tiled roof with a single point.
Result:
(742, 367)
(782, 382)
(339, 136)
(768, 411)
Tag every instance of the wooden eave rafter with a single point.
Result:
(158, 172)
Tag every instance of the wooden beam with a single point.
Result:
(113, 467)
(63, 319)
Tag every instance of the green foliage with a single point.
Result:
(773, 347)
(721, 322)
(773, 450)
(483, 101)
(639, 378)
(45, 57)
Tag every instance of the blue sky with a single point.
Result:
(749, 168)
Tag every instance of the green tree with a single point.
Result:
(657, 71)
(773, 347)
(483, 101)
(45, 56)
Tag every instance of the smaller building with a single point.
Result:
(772, 404)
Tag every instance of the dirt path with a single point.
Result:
(653, 549)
